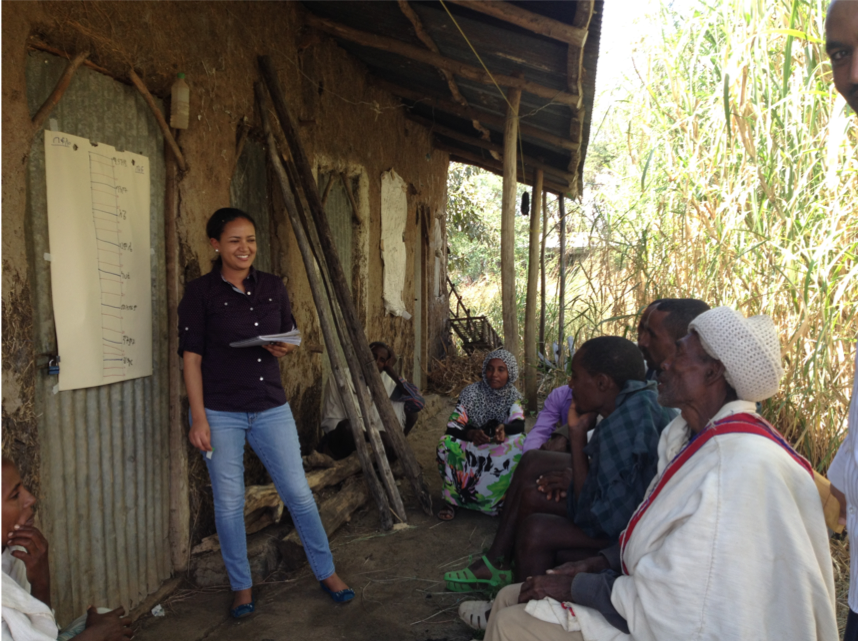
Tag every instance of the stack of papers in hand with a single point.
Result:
(292, 338)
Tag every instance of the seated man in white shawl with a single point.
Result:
(730, 541)
(27, 613)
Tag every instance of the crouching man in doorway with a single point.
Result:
(407, 402)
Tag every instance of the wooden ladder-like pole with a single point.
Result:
(367, 365)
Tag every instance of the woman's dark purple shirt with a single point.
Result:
(214, 314)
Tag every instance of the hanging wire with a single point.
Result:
(500, 91)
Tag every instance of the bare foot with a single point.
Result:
(241, 597)
(334, 583)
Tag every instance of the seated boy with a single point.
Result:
(338, 440)
(27, 613)
(602, 481)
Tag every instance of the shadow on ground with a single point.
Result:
(397, 577)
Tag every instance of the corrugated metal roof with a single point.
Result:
(505, 49)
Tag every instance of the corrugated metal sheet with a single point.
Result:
(105, 456)
(248, 191)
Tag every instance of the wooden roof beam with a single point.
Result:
(418, 54)
(488, 145)
(534, 22)
(496, 167)
(473, 113)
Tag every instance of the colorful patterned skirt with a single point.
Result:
(477, 477)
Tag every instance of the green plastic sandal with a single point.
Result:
(465, 580)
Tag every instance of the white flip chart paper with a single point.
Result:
(98, 227)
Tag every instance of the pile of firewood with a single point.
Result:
(263, 507)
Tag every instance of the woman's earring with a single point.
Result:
(217, 251)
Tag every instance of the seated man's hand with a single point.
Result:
(556, 444)
(592, 565)
(841, 499)
(35, 558)
(110, 626)
(555, 484)
(557, 586)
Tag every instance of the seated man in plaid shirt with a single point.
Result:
(338, 441)
(573, 512)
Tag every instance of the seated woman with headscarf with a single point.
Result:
(484, 440)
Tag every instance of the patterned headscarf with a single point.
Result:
(483, 403)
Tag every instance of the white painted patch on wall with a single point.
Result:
(394, 213)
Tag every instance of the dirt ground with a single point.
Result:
(397, 577)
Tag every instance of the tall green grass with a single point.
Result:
(726, 169)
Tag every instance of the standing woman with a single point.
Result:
(236, 394)
(484, 440)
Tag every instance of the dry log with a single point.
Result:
(62, 84)
(473, 113)
(492, 146)
(322, 308)
(534, 22)
(346, 304)
(315, 460)
(159, 117)
(334, 512)
(471, 72)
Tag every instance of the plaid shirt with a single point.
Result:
(623, 455)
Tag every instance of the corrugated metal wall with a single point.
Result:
(105, 450)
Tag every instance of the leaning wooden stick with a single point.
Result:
(159, 117)
(62, 84)
(363, 398)
(375, 487)
(406, 456)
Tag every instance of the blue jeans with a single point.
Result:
(274, 438)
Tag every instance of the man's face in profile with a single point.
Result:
(841, 43)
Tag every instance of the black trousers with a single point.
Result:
(851, 627)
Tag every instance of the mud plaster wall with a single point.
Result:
(343, 119)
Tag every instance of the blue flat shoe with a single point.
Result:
(244, 610)
(343, 596)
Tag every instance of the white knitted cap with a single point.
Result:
(748, 347)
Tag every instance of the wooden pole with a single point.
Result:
(412, 52)
(508, 207)
(159, 117)
(530, 358)
(542, 349)
(534, 22)
(375, 487)
(62, 84)
(363, 397)
(410, 466)
(473, 113)
(561, 316)
(180, 510)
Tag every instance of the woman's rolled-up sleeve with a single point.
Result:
(192, 321)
